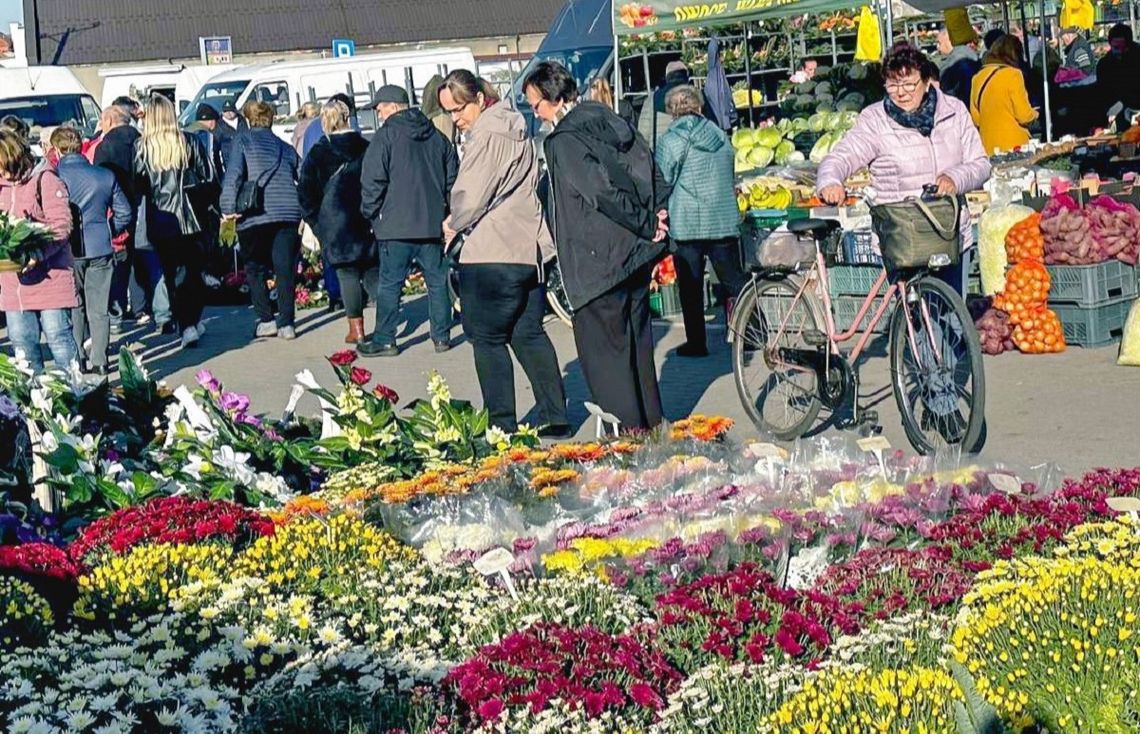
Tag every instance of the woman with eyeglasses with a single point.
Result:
(915, 137)
(494, 203)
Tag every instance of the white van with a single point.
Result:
(289, 84)
(177, 82)
(47, 96)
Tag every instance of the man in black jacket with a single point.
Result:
(1118, 75)
(607, 214)
(116, 152)
(406, 180)
(232, 123)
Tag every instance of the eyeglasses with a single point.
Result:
(904, 87)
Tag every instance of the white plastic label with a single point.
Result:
(874, 443)
(1007, 483)
(1131, 505)
(498, 560)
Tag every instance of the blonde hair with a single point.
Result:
(600, 92)
(683, 100)
(258, 114)
(66, 140)
(163, 146)
(308, 111)
(334, 116)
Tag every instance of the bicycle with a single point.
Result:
(555, 293)
(783, 325)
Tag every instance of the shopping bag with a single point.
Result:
(869, 43)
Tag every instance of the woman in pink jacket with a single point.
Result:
(915, 137)
(41, 296)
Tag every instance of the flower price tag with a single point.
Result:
(291, 407)
(767, 455)
(497, 561)
(876, 445)
(1130, 505)
(1007, 483)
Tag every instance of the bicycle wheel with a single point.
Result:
(556, 295)
(780, 398)
(941, 391)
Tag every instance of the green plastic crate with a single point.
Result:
(1095, 326)
(1091, 285)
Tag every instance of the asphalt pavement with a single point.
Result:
(1077, 409)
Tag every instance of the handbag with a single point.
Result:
(452, 249)
(251, 194)
(913, 231)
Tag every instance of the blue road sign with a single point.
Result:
(343, 48)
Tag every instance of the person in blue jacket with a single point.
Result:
(100, 210)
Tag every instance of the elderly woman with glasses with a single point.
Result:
(915, 137)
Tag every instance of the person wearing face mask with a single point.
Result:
(917, 136)
(1118, 74)
(606, 209)
(495, 204)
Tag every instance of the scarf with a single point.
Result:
(922, 119)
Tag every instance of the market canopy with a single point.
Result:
(652, 16)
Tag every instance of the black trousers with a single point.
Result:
(181, 259)
(357, 282)
(689, 260)
(271, 250)
(505, 304)
(614, 336)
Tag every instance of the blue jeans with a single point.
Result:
(148, 273)
(24, 332)
(396, 258)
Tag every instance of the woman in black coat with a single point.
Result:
(270, 236)
(329, 191)
(607, 214)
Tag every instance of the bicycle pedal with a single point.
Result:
(814, 338)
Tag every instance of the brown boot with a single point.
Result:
(355, 331)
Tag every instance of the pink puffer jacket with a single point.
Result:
(41, 198)
(902, 160)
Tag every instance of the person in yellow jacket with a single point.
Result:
(999, 102)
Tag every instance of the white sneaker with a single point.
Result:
(189, 337)
(201, 328)
(287, 332)
(266, 329)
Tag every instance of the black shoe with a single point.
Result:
(102, 371)
(555, 430)
(335, 306)
(691, 350)
(168, 328)
(372, 349)
(441, 347)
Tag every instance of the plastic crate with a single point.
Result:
(666, 301)
(1091, 285)
(852, 280)
(860, 248)
(846, 308)
(1095, 326)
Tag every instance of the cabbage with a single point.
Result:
(742, 138)
(822, 88)
(799, 125)
(767, 137)
(794, 157)
(784, 125)
(805, 87)
(817, 122)
(821, 148)
(760, 157)
(848, 119)
(784, 149)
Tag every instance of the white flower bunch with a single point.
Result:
(722, 698)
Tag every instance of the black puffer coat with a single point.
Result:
(604, 195)
(176, 199)
(332, 206)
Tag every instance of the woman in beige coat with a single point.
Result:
(495, 206)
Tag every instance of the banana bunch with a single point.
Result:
(761, 196)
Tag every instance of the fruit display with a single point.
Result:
(764, 196)
(636, 15)
(1026, 289)
(1039, 332)
(761, 147)
(1024, 241)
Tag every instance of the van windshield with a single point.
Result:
(214, 94)
(53, 110)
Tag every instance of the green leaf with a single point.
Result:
(975, 715)
(65, 458)
(114, 494)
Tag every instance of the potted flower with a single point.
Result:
(20, 241)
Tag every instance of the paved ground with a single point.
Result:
(1077, 409)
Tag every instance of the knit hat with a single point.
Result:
(958, 26)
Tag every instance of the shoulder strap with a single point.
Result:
(986, 83)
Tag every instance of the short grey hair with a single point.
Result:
(683, 100)
(116, 116)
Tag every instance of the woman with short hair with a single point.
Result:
(39, 297)
(506, 243)
(172, 170)
(309, 114)
(329, 195)
(269, 233)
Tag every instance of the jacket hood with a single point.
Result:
(503, 121)
(958, 53)
(349, 144)
(430, 105)
(702, 134)
(597, 122)
(412, 123)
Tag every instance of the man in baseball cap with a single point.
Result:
(232, 123)
(406, 180)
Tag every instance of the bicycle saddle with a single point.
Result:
(812, 226)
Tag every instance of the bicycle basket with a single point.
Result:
(764, 245)
(912, 231)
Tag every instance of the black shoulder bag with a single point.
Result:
(251, 194)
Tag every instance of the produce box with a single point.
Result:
(1092, 285)
(1098, 326)
(852, 280)
(846, 308)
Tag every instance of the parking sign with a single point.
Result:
(343, 48)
